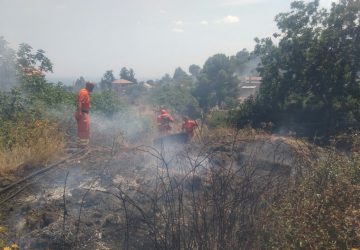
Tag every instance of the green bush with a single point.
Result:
(218, 119)
(107, 103)
(176, 98)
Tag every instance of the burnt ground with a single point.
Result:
(35, 218)
(101, 186)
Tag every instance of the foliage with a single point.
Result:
(128, 75)
(218, 119)
(79, 83)
(310, 79)
(30, 142)
(135, 91)
(166, 80)
(106, 80)
(194, 70)
(106, 102)
(251, 113)
(56, 95)
(46, 95)
(179, 73)
(26, 59)
(217, 84)
(181, 78)
(244, 63)
(176, 98)
(12, 104)
(8, 73)
(33, 82)
(26, 133)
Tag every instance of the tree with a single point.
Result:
(79, 83)
(179, 74)
(181, 78)
(135, 91)
(106, 80)
(132, 76)
(244, 63)
(176, 98)
(26, 59)
(7, 66)
(128, 74)
(124, 73)
(310, 79)
(217, 84)
(166, 80)
(194, 70)
(31, 69)
(12, 103)
(27, 65)
(107, 102)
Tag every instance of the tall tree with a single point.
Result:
(79, 83)
(166, 80)
(195, 70)
(128, 74)
(31, 67)
(176, 98)
(106, 80)
(7, 66)
(181, 78)
(179, 74)
(27, 59)
(132, 76)
(244, 63)
(310, 79)
(217, 84)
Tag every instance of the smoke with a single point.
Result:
(8, 72)
(128, 125)
(132, 129)
(248, 69)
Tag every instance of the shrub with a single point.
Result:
(176, 98)
(32, 143)
(218, 119)
(322, 212)
(107, 102)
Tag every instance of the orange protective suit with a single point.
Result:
(83, 119)
(164, 121)
(188, 127)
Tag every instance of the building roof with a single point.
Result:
(122, 82)
(248, 87)
(148, 86)
(253, 78)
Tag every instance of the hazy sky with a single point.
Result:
(88, 37)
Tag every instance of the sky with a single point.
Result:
(88, 37)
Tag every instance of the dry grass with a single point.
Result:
(33, 143)
(230, 206)
(227, 134)
(323, 211)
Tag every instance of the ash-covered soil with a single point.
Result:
(35, 218)
(101, 200)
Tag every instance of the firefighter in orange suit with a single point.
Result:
(164, 120)
(188, 127)
(82, 114)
